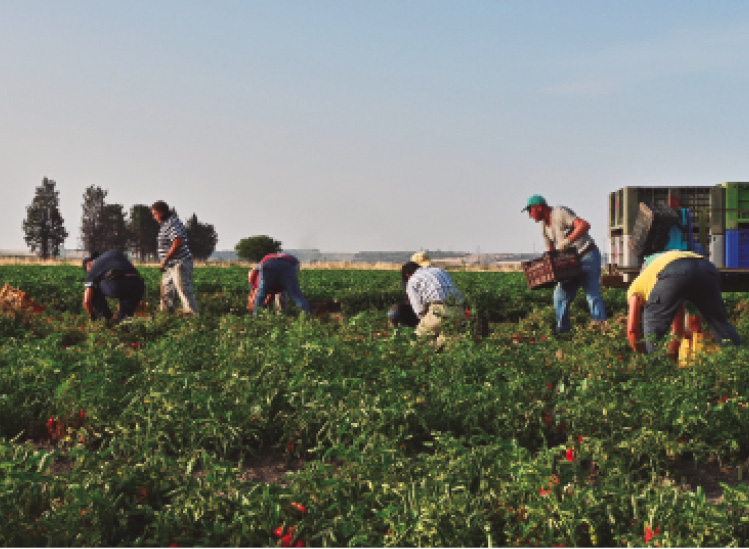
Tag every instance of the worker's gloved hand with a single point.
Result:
(162, 266)
(564, 245)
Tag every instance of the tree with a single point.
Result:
(116, 234)
(254, 248)
(202, 238)
(144, 230)
(93, 221)
(43, 227)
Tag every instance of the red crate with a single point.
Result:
(550, 268)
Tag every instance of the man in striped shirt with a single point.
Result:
(435, 299)
(176, 260)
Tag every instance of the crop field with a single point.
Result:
(224, 430)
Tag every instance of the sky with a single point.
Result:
(368, 125)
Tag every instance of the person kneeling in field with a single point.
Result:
(436, 301)
(275, 276)
(403, 314)
(656, 300)
(111, 275)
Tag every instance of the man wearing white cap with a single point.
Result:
(562, 229)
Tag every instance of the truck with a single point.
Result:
(712, 220)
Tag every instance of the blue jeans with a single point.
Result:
(590, 281)
(279, 274)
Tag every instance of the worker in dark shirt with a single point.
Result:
(111, 275)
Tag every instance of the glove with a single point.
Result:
(564, 244)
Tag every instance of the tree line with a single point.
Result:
(104, 226)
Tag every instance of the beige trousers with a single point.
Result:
(177, 281)
(439, 319)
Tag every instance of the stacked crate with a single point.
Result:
(624, 207)
(736, 225)
(718, 225)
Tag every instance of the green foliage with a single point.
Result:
(254, 248)
(516, 439)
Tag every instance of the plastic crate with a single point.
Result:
(624, 203)
(718, 209)
(14, 299)
(737, 249)
(737, 206)
(718, 249)
(652, 229)
(550, 268)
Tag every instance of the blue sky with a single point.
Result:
(353, 125)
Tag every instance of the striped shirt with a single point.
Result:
(430, 284)
(170, 229)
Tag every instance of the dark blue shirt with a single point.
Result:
(111, 265)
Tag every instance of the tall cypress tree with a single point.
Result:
(44, 227)
(94, 220)
(144, 231)
(202, 237)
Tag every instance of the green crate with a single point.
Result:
(737, 206)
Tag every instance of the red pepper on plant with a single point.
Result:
(547, 418)
(570, 454)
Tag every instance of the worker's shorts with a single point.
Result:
(687, 279)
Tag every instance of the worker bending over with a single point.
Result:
(656, 300)
(111, 275)
(436, 301)
(275, 275)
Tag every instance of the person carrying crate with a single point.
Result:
(562, 229)
(657, 296)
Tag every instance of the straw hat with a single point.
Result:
(422, 258)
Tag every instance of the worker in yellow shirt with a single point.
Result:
(656, 299)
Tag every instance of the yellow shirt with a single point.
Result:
(645, 282)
